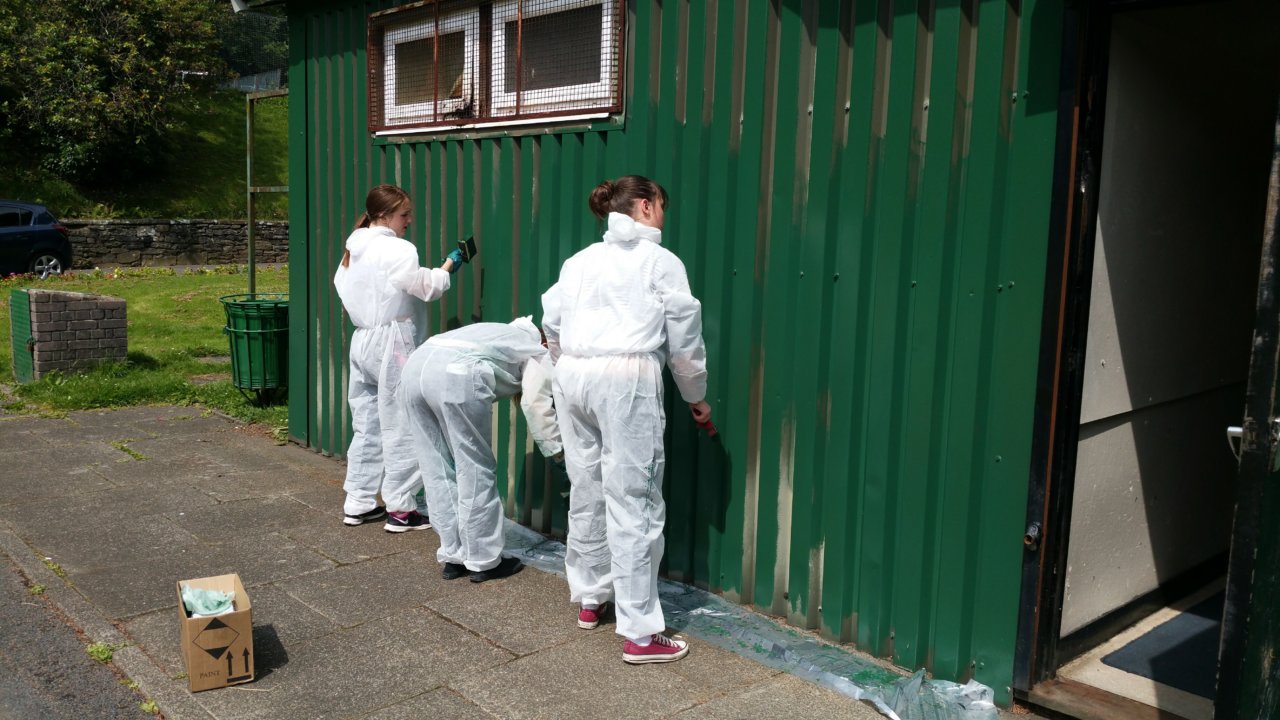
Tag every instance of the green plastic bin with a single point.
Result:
(258, 330)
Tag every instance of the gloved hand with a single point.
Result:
(709, 427)
(456, 257)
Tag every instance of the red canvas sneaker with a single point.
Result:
(589, 618)
(660, 649)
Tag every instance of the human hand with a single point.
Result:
(558, 459)
(453, 261)
(701, 411)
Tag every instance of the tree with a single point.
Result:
(88, 84)
(257, 41)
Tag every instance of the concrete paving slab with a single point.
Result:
(325, 498)
(232, 451)
(440, 703)
(24, 482)
(309, 460)
(86, 454)
(229, 521)
(291, 620)
(204, 451)
(39, 426)
(585, 678)
(539, 600)
(125, 590)
(784, 696)
(346, 545)
(716, 671)
(182, 426)
(110, 506)
(162, 421)
(84, 544)
(375, 665)
(400, 582)
(161, 474)
(260, 559)
(99, 426)
(15, 438)
(242, 485)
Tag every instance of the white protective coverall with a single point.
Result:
(621, 309)
(448, 390)
(378, 291)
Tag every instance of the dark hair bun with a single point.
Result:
(601, 199)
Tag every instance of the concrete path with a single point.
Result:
(45, 671)
(348, 622)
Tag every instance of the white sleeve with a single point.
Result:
(687, 354)
(551, 321)
(539, 408)
(424, 283)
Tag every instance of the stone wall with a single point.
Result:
(148, 243)
(74, 331)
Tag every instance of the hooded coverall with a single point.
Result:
(621, 309)
(448, 390)
(378, 291)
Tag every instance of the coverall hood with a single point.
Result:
(624, 228)
(526, 324)
(360, 240)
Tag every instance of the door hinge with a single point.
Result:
(1031, 540)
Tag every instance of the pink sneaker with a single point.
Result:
(588, 619)
(660, 650)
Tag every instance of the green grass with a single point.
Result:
(178, 353)
(103, 652)
(204, 176)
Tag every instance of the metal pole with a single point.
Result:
(248, 188)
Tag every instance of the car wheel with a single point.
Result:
(45, 264)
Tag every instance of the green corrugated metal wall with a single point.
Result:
(861, 196)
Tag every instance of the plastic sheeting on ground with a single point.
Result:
(714, 620)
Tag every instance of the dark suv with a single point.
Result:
(32, 240)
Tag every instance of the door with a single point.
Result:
(1248, 667)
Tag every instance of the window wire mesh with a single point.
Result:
(461, 63)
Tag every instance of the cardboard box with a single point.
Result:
(218, 650)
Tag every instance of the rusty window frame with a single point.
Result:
(485, 103)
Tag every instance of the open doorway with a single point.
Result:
(1190, 108)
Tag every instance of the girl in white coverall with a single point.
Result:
(450, 384)
(621, 309)
(378, 281)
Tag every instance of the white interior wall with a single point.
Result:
(1183, 177)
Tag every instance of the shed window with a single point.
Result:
(444, 65)
(429, 67)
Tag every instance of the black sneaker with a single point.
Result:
(453, 571)
(375, 514)
(398, 522)
(507, 567)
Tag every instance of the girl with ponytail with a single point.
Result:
(381, 284)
